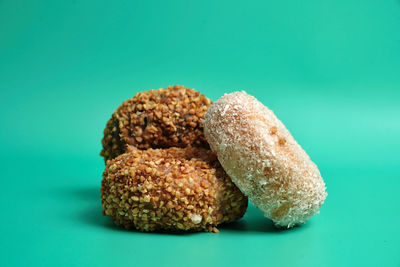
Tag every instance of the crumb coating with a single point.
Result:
(263, 160)
(163, 118)
(175, 189)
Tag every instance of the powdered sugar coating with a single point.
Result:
(263, 160)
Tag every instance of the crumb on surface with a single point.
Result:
(176, 189)
(263, 160)
(163, 118)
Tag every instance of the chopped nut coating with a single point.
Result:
(175, 189)
(163, 118)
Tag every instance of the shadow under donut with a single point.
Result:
(91, 214)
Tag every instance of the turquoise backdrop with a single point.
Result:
(329, 69)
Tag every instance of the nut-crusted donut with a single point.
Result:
(263, 159)
(175, 189)
(162, 118)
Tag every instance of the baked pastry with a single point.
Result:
(263, 160)
(163, 118)
(174, 189)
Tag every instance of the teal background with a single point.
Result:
(329, 69)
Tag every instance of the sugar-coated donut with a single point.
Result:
(174, 189)
(163, 118)
(263, 160)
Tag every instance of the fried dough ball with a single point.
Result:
(263, 160)
(175, 189)
(162, 118)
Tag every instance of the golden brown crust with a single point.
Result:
(112, 144)
(163, 118)
(176, 189)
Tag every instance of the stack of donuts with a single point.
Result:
(177, 162)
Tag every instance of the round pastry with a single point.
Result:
(162, 118)
(263, 160)
(174, 189)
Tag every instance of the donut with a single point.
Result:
(173, 189)
(163, 118)
(263, 160)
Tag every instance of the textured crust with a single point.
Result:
(175, 189)
(263, 159)
(162, 118)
